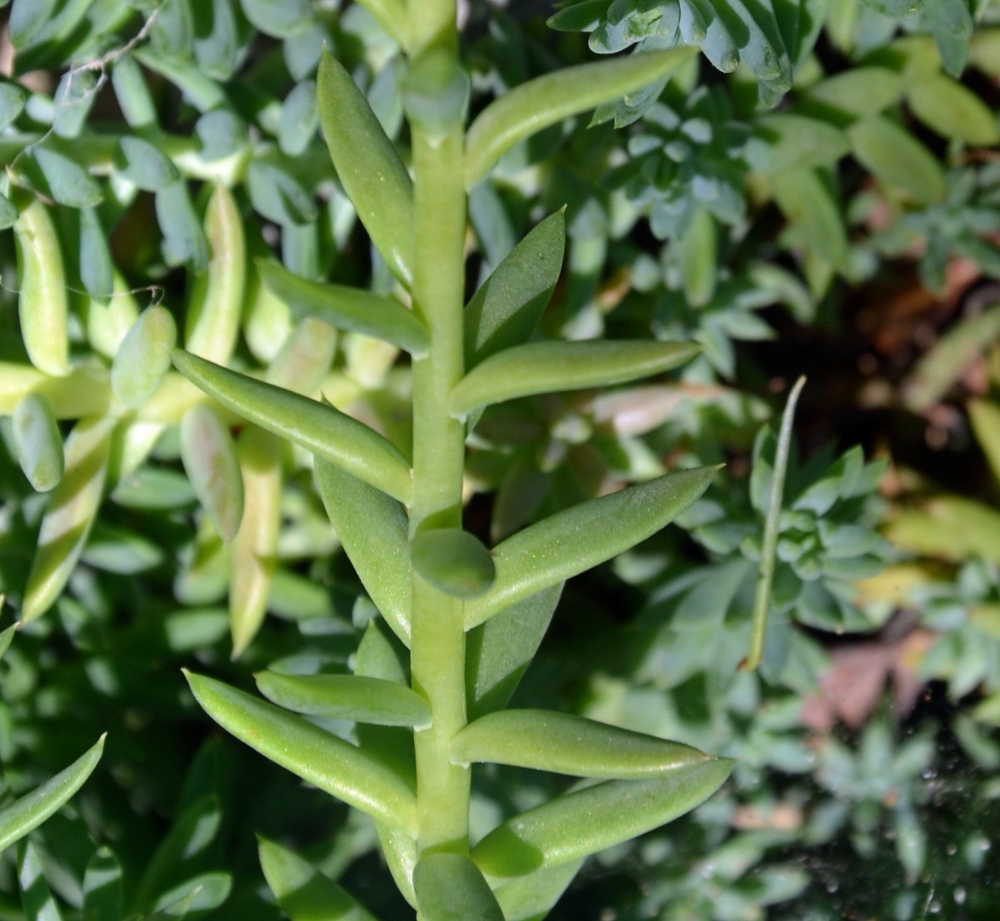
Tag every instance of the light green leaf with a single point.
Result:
(347, 308)
(67, 182)
(985, 419)
(304, 893)
(143, 357)
(102, 887)
(132, 93)
(319, 428)
(278, 18)
(299, 119)
(577, 824)
(27, 813)
(305, 357)
(212, 467)
(172, 31)
(391, 16)
(579, 538)
(96, 269)
(26, 18)
(498, 652)
(784, 141)
(368, 166)
(453, 561)
(857, 92)
(896, 158)
(545, 367)
(217, 51)
(277, 195)
(508, 305)
(82, 392)
(213, 315)
(69, 516)
(949, 527)
(531, 897)
(41, 280)
(184, 241)
(948, 108)
(449, 887)
(154, 488)
(144, 165)
(400, 852)
(12, 99)
(314, 755)
(568, 744)
(37, 442)
(347, 697)
(107, 324)
(6, 636)
(200, 893)
(698, 259)
(36, 898)
(435, 93)
(810, 207)
(547, 100)
(373, 529)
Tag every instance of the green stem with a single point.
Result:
(437, 621)
(765, 576)
(430, 22)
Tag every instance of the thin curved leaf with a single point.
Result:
(450, 887)
(347, 697)
(347, 308)
(546, 100)
(545, 367)
(566, 744)
(317, 427)
(319, 757)
(587, 821)
(27, 813)
(579, 538)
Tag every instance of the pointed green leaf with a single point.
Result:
(278, 18)
(545, 367)
(698, 258)
(72, 102)
(253, 553)
(532, 897)
(299, 119)
(37, 442)
(948, 108)
(316, 756)
(132, 93)
(71, 510)
(143, 358)
(857, 92)
(6, 636)
(27, 813)
(36, 897)
(985, 419)
(41, 282)
(213, 315)
(449, 887)
(373, 529)
(12, 99)
(317, 427)
(368, 166)
(212, 467)
(577, 824)
(453, 561)
(547, 100)
(896, 158)
(346, 308)
(144, 165)
(811, 209)
(568, 744)
(498, 652)
(66, 181)
(200, 893)
(579, 538)
(304, 893)
(400, 852)
(96, 270)
(347, 697)
(216, 48)
(508, 305)
(278, 195)
(102, 887)
(184, 241)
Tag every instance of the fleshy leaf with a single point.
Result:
(897, 159)
(531, 897)
(453, 561)
(450, 887)
(144, 164)
(545, 367)
(213, 469)
(584, 822)
(579, 538)
(70, 514)
(82, 392)
(373, 529)
(508, 305)
(347, 308)
(304, 893)
(546, 100)
(316, 756)
(347, 697)
(143, 357)
(368, 166)
(27, 813)
(568, 744)
(37, 442)
(319, 428)
(498, 652)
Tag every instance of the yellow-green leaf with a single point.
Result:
(450, 887)
(898, 159)
(948, 108)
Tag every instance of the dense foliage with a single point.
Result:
(814, 192)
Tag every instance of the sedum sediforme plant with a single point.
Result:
(459, 622)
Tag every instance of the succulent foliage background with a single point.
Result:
(652, 250)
